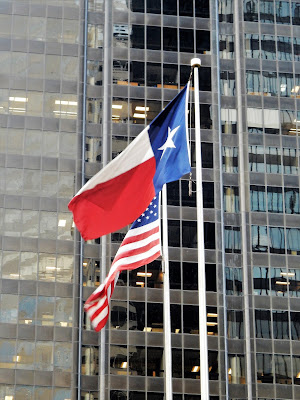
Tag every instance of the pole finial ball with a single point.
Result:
(195, 62)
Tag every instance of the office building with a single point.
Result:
(79, 80)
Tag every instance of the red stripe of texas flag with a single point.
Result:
(115, 203)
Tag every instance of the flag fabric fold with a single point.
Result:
(122, 190)
(140, 246)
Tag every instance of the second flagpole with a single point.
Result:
(166, 306)
(196, 63)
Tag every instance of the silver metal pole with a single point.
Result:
(167, 316)
(242, 180)
(196, 63)
(80, 305)
(106, 123)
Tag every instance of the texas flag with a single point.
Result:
(123, 189)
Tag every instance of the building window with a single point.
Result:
(264, 368)
(261, 283)
(235, 324)
(230, 159)
(280, 324)
(260, 238)
(282, 12)
(228, 120)
(275, 199)
(231, 199)
(153, 38)
(277, 240)
(295, 326)
(263, 324)
(236, 369)
(257, 198)
(256, 159)
(291, 200)
(226, 45)
(234, 286)
(232, 239)
(253, 83)
(251, 10)
(252, 49)
(267, 11)
(290, 161)
(226, 11)
(279, 282)
(273, 160)
(293, 241)
(283, 369)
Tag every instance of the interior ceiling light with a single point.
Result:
(117, 106)
(137, 115)
(20, 99)
(140, 108)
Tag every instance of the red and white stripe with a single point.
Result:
(140, 246)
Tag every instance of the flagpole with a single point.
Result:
(196, 63)
(167, 317)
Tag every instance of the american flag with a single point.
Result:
(140, 246)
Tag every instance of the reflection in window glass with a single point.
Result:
(282, 12)
(296, 13)
(235, 324)
(287, 120)
(261, 284)
(137, 361)
(89, 360)
(293, 241)
(95, 36)
(7, 353)
(284, 48)
(231, 199)
(253, 83)
(269, 83)
(291, 200)
(296, 46)
(230, 159)
(118, 360)
(273, 160)
(257, 198)
(267, 11)
(259, 238)
(229, 120)
(295, 325)
(277, 240)
(251, 10)
(226, 11)
(226, 46)
(279, 282)
(290, 161)
(232, 239)
(236, 369)
(280, 324)
(155, 365)
(264, 368)
(252, 45)
(9, 308)
(234, 285)
(275, 200)
(263, 324)
(268, 47)
(170, 76)
(283, 369)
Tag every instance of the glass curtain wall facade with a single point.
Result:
(79, 80)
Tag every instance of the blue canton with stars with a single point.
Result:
(168, 137)
(149, 215)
